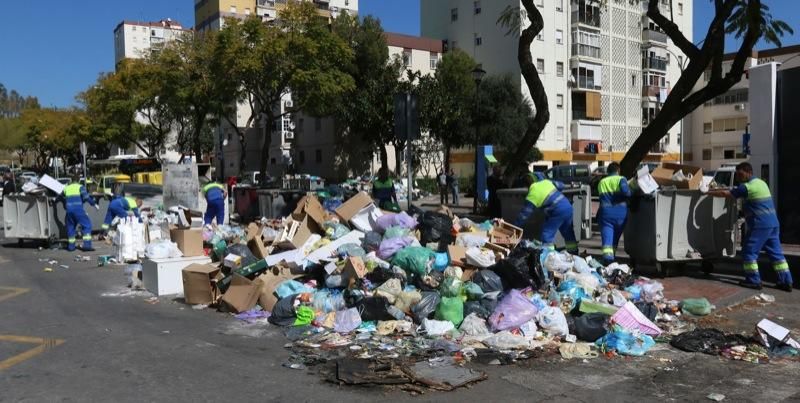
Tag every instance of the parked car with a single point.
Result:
(725, 177)
(28, 176)
(570, 174)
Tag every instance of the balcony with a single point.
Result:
(654, 63)
(586, 18)
(654, 36)
(587, 83)
(658, 148)
(579, 49)
(266, 3)
(652, 91)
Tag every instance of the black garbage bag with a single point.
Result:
(415, 211)
(520, 269)
(708, 341)
(381, 275)
(374, 308)
(426, 306)
(488, 281)
(591, 326)
(570, 323)
(430, 282)
(372, 241)
(649, 309)
(283, 313)
(489, 304)
(477, 308)
(435, 227)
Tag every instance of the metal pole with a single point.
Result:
(477, 146)
(410, 187)
(84, 167)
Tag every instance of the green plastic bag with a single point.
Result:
(450, 309)
(413, 259)
(696, 306)
(305, 316)
(395, 232)
(451, 287)
(472, 291)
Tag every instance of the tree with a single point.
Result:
(12, 104)
(51, 133)
(749, 20)
(503, 113)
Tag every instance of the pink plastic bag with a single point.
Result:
(512, 312)
(390, 246)
(387, 221)
(631, 318)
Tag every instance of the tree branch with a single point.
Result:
(672, 30)
(734, 75)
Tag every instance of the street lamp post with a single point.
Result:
(477, 74)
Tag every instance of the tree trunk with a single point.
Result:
(446, 162)
(266, 146)
(537, 124)
(384, 156)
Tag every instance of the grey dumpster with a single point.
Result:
(673, 227)
(512, 200)
(40, 217)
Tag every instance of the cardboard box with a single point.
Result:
(309, 205)
(458, 255)
(352, 206)
(254, 241)
(467, 273)
(354, 268)
(505, 234)
(200, 283)
(165, 276)
(233, 262)
(295, 234)
(52, 184)
(269, 281)
(663, 175)
(189, 241)
(242, 295)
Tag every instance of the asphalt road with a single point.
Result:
(78, 334)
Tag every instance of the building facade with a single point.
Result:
(134, 40)
(606, 68)
(716, 129)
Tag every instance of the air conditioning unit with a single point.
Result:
(289, 135)
(288, 104)
(739, 107)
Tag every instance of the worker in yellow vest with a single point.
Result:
(215, 195)
(545, 195)
(613, 213)
(122, 207)
(73, 197)
(383, 189)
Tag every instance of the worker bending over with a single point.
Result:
(215, 195)
(545, 195)
(613, 212)
(383, 189)
(73, 197)
(122, 207)
(763, 229)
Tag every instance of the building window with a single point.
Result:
(233, 9)
(730, 125)
(560, 101)
(633, 80)
(560, 133)
(318, 124)
(560, 69)
(680, 8)
(706, 154)
(287, 124)
(540, 36)
(477, 6)
(559, 37)
(729, 154)
(302, 157)
(407, 57)
(453, 15)
(540, 3)
(680, 61)
(434, 60)
(707, 127)
(478, 41)
(247, 11)
(540, 65)
(318, 156)
(346, 2)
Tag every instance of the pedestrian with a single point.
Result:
(215, 195)
(494, 183)
(8, 186)
(121, 207)
(444, 196)
(613, 213)
(763, 229)
(383, 189)
(73, 197)
(545, 195)
(453, 178)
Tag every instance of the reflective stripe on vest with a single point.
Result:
(387, 184)
(539, 191)
(757, 190)
(131, 203)
(73, 189)
(212, 185)
(609, 185)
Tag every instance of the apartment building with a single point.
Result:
(605, 66)
(133, 40)
(717, 129)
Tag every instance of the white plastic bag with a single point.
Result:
(506, 340)
(472, 240)
(586, 281)
(653, 291)
(559, 262)
(162, 249)
(474, 325)
(553, 321)
(482, 258)
(129, 240)
(437, 327)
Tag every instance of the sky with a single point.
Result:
(54, 49)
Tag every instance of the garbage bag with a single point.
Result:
(381, 275)
(328, 301)
(450, 309)
(591, 326)
(406, 300)
(512, 311)
(242, 251)
(696, 306)
(440, 261)
(450, 287)
(472, 291)
(162, 249)
(389, 289)
(649, 309)
(390, 247)
(506, 340)
(472, 240)
(474, 325)
(372, 241)
(553, 321)
(708, 341)
(435, 227)
(335, 281)
(429, 282)
(396, 232)
(652, 291)
(283, 313)
(454, 271)
(291, 287)
(426, 306)
(570, 295)
(346, 321)
(437, 327)
(351, 250)
(559, 262)
(402, 220)
(335, 230)
(304, 316)
(488, 281)
(481, 258)
(521, 269)
(625, 343)
(587, 281)
(413, 259)
(477, 308)
(373, 308)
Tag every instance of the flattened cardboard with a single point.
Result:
(354, 268)
(458, 255)
(269, 281)
(467, 273)
(254, 241)
(189, 241)
(352, 206)
(309, 205)
(199, 283)
(663, 175)
(242, 295)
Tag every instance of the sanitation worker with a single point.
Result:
(613, 213)
(545, 195)
(763, 229)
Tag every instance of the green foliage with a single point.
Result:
(771, 29)
(13, 103)
(503, 113)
